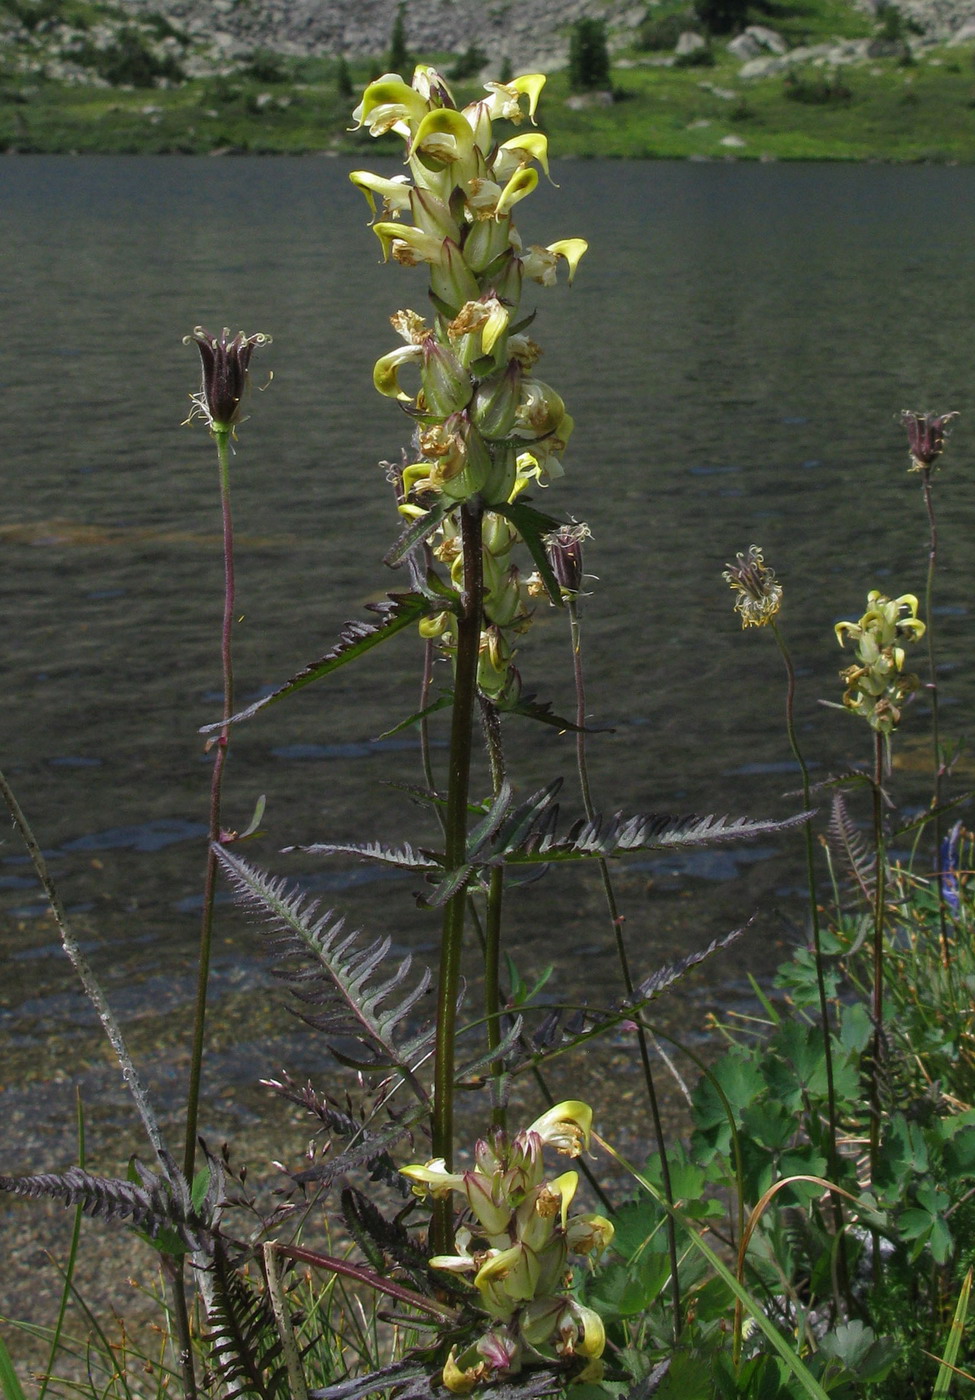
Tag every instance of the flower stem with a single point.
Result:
(491, 722)
(455, 849)
(832, 1156)
(877, 1009)
(617, 920)
(935, 725)
(222, 438)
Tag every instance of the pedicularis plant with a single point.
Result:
(831, 1183)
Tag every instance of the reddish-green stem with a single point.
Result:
(222, 438)
(455, 850)
(617, 920)
(935, 719)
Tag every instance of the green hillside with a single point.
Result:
(85, 77)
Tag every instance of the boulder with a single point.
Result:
(743, 47)
(765, 67)
(689, 42)
(768, 39)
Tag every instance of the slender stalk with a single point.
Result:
(832, 1158)
(492, 921)
(133, 1080)
(222, 438)
(939, 768)
(455, 848)
(617, 920)
(877, 1000)
(69, 1268)
(92, 987)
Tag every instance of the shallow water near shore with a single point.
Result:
(735, 352)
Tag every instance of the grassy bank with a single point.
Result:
(882, 109)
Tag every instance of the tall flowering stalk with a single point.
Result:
(876, 687)
(758, 602)
(486, 425)
(926, 435)
(225, 363)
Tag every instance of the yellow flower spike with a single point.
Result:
(434, 1177)
(589, 1234)
(531, 145)
(394, 193)
(567, 1127)
(443, 137)
(461, 1381)
(406, 244)
(521, 184)
(389, 104)
(572, 250)
(495, 326)
(432, 627)
(581, 1331)
(385, 374)
(531, 85)
(566, 1185)
(508, 1278)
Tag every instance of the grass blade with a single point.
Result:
(947, 1368)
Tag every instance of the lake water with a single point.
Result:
(736, 350)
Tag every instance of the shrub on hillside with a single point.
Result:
(589, 57)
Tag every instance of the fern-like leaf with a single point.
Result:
(151, 1205)
(665, 977)
(415, 1379)
(245, 1348)
(553, 1038)
(618, 835)
(404, 856)
(355, 639)
(370, 1150)
(367, 1148)
(848, 846)
(331, 972)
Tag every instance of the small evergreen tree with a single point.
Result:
(343, 78)
(722, 16)
(399, 56)
(589, 57)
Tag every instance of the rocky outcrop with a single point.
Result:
(531, 34)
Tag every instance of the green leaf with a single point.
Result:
(9, 1380)
(741, 1079)
(533, 526)
(959, 1153)
(419, 530)
(804, 1381)
(627, 1290)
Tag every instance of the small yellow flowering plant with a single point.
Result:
(517, 1248)
(877, 684)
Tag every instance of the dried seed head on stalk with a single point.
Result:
(225, 364)
(759, 592)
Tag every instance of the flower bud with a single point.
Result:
(926, 437)
(564, 547)
(451, 280)
(496, 402)
(487, 239)
(224, 364)
(447, 386)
